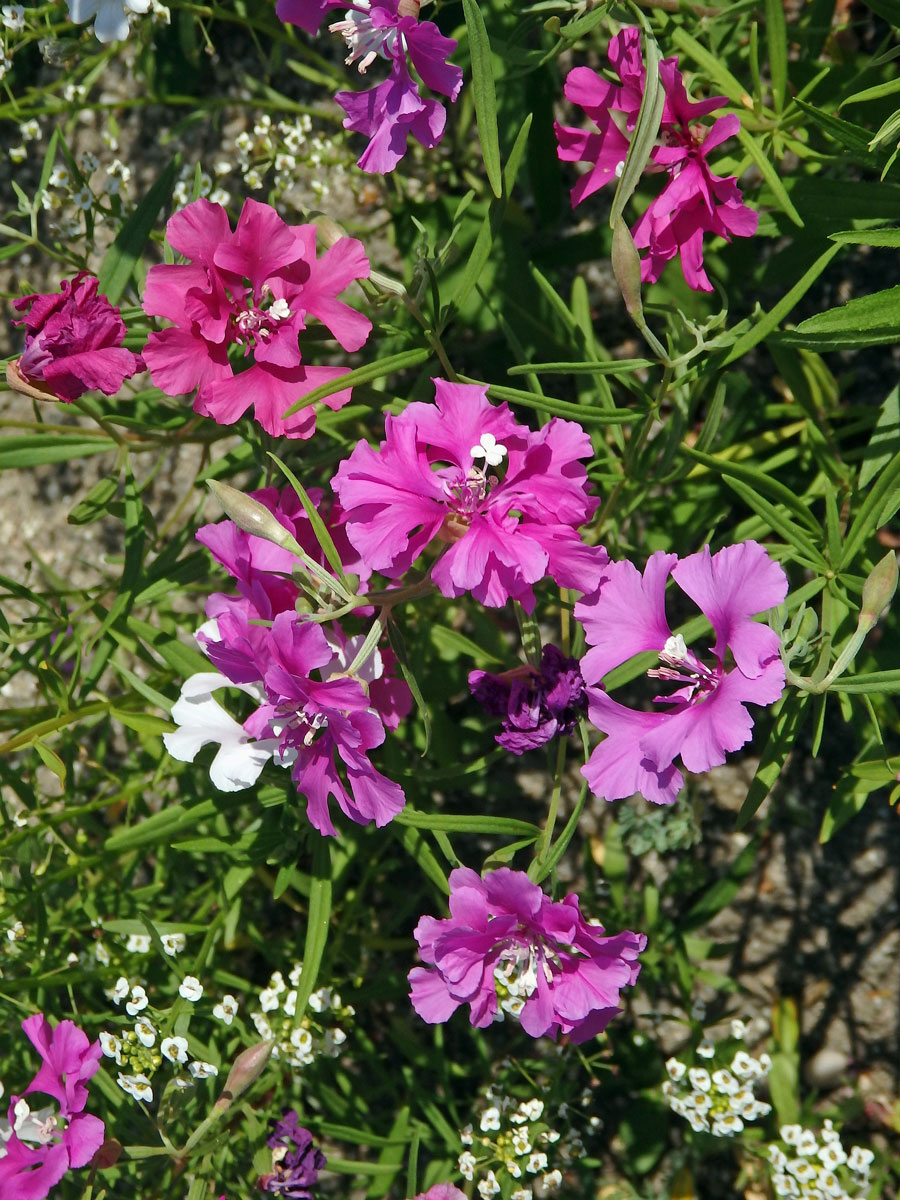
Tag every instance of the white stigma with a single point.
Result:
(675, 650)
(279, 310)
(490, 450)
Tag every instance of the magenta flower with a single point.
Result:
(388, 113)
(73, 344)
(42, 1145)
(693, 201)
(706, 714)
(441, 1191)
(253, 288)
(507, 948)
(534, 705)
(433, 480)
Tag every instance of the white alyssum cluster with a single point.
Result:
(816, 1166)
(514, 1143)
(717, 1099)
(317, 1033)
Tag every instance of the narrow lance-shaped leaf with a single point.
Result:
(485, 96)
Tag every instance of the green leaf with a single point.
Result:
(613, 366)
(378, 368)
(127, 250)
(96, 503)
(159, 828)
(319, 528)
(884, 441)
(585, 413)
(318, 921)
(789, 717)
(33, 450)
(792, 534)
(485, 97)
(644, 137)
(885, 682)
(758, 480)
(866, 321)
(881, 501)
(398, 645)
(776, 36)
(867, 237)
(52, 761)
(421, 853)
(466, 823)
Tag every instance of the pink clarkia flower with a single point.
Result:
(705, 715)
(73, 343)
(252, 288)
(506, 948)
(441, 1191)
(693, 201)
(436, 477)
(41, 1145)
(390, 112)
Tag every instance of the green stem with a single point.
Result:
(543, 847)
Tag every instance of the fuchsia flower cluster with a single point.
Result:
(39, 1146)
(693, 201)
(311, 715)
(250, 291)
(393, 111)
(506, 948)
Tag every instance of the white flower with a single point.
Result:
(466, 1135)
(30, 131)
(321, 999)
(698, 1122)
(777, 1157)
(802, 1170)
(294, 974)
(744, 1066)
(120, 991)
(537, 1162)
(521, 1142)
(488, 1186)
(138, 1001)
(552, 1179)
(190, 989)
(727, 1124)
(513, 1168)
(202, 720)
(333, 1040)
(111, 1046)
(699, 1077)
(521, 1194)
(202, 1070)
(174, 1049)
(490, 450)
(738, 1029)
(830, 1184)
(110, 16)
(138, 943)
(13, 17)
(227, 1010)
(807, 1144)
(860, 1160)
(490, 1119)
(791, 1134)
(83, 198)
(675, 1069)
(466, 1164)
(268, 1000)
(263, 1028)
(533, 1109)
(699, 1102)
(89, 162)
(101, 954)
(137, 1086)
(707, 1047)
(725, 1082)
(785, 1186)
(759, 1109)
(832, 1155)
(145, 1033)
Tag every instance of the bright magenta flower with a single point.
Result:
(693, 201)
(250, 290)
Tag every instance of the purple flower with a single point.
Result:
(706, 715)
(535, 705)
(507, 948)
(296, 1163)
(73, 344)
(253, 288)
(434, 479)
(42, 1145)
(694, 201)
(392, 110)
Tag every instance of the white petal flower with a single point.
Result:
(138, 943)
(537, 1162)
(860, 1160)
(145, 1033)
(121, 990)
(725, 1082)
(675, 1069)
(533, 1109)
(110, 16)
(467, 1165)
(552, 1179)
(138, 1001)
(190, 989)
(202, 1070)
(521, 1194)
(466, 1135)
(173, 943)
(13, 17)
(490, 450)
(175, 1049)
(202, 720)
(738, 1029)
(137, 1086)
(488, 1186)
(699, 1077)
(490, 1119)
(707, 1048)
(111, 1046)
(227, 1010)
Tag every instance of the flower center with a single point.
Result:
(681, 666)
(364, 41)
(259, 321)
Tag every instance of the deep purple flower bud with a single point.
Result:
(296, 1163)
(535, 705)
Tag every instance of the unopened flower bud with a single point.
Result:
(17, 382)
(878, 590)
(626, 265)
(248, 1066)
(328, 232)
(251, 516)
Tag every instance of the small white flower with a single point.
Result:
(71, 959)
(738, 1029)
(466, 1135)
(860, 1160)
(832, 1155)
(513, 1168)
(173, 943)
(537, 1162)
(802, 1170)
(699, 1102)
(785, 1186)
(759, 1109)
(145, 1033)
(807, 1144)
(262, 1026)
(137, 1086)
(101, 954)
(707, 1048)
(675, 1069)
(552, 1179)
(111, 1046)
(332, 1042)
(490, 450)
(83, 198)
(727, 1125)
(521, 1194)
(698, 1121)
(138, 943)
(175, 1049)
(533, 1109)
(521, 1142)
(791, 1134)
(466, 1165)
(227, 1010)
(18, 154)
(110, 16)
(112, 186)
(202, 1070)
(490, 1119)
(552, 1135)
(181, 1083)
(138, 1001)
(830, 1184)
(777, 1157)
(725, 1082)
(253, 179)
(121, 990)
(190, 989)
(13, 17)
(699, 1077)
(268, 1000)
(488, 1186)
(16, 932)
(741, 1101)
